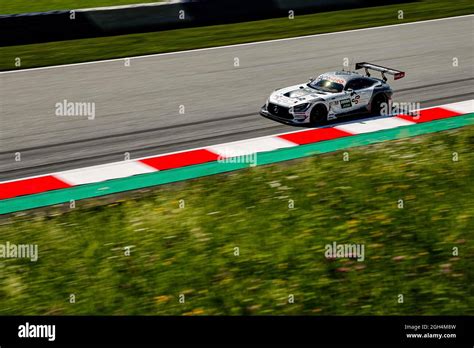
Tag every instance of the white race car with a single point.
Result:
(332, 95)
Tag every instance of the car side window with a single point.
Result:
(357, 84)
(350, 85)
(365, 83)
(353, 84)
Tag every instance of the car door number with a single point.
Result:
(356, 99)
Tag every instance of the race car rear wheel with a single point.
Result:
(319, 115)
(378, 103)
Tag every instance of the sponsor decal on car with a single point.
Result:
(335, 79)
(331, 78)
(346, 103)
(356, 98)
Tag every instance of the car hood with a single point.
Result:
(298, 94)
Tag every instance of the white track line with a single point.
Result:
(250, 146)
(234, 46)
(464, 107)
(89, 175)
(370, 126)
(120, 7)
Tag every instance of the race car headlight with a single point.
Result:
(301, 107)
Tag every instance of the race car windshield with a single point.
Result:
(327, 86)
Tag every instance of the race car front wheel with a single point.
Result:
(319, 115)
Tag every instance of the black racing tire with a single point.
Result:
(377, 104)
(319, 115)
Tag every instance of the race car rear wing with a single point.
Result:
(397, 74)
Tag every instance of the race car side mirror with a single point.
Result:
(311, 79)
(350, 90)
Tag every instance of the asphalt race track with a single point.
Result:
(137, 107)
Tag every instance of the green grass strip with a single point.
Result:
(76, 51)
(196, 171)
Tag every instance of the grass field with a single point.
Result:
(15, 6)
(74, 51)
(183, 237)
